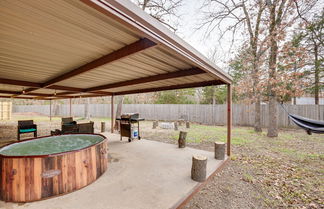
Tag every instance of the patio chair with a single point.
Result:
(26, 126)
(69, 126)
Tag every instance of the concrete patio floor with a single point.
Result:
(142, 174)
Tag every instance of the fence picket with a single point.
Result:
(243, 115)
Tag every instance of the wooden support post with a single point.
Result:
(103, 127)
(50, 110)
(182, 139)
(112, 114)
(219, 150)
(229, 118)
(199, 167)
(175, 125)
(70, 107)
(187, 124)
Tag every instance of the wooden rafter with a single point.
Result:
(133, 48)
(180, 73)
(19, 83)
(18, 92)
(25, 97)
(172, 87)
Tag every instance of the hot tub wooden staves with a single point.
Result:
(31, 178)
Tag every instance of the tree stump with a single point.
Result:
(199, 167)
(155, 124)
(187, 124)
(180, 121)
(103, 127)
(176, 126)
(182, 139)
(219, 150)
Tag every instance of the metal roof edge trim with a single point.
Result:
(128, 14)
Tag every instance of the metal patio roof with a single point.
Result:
(71, 48)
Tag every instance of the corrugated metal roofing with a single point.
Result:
(73, 45)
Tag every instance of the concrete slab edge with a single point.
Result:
(182, 202)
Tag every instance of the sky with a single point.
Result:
(191, 16)
(189, 21)
(218, 51)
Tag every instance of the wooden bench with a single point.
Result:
(26, 126)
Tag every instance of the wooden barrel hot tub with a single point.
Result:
(40, 168)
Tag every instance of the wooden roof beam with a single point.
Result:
(19, 83)
(37, 85)
(65, 88)
(102, 93)
(165, 76)
(9, 97)
(172, 87)
(15, 93)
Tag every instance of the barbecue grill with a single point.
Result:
(128, 127)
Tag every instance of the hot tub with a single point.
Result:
(48, 166)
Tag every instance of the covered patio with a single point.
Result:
(141, 174)
(91, 48)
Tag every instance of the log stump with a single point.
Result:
(180, 121)
(219, 150)
(187, 124)
(199, 168)
(103, 127)
(182, 139)
(155, 124)
(176, 126)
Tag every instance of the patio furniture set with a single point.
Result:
(68, 126)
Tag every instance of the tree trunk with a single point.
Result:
(175, 125)
(257, 116)
(187, 124)
(103, 127)
(214, 99)
(317, 71)
(272, 123)
(219, 150)
(155, 124)
(182, 139)
(118, 112)
(198, 169)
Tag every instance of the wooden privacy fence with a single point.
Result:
(243, 115)
(5, 110)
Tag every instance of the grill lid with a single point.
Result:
(130, 116)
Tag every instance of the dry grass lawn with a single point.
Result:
(282, 172)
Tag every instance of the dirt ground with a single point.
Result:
(282, 172)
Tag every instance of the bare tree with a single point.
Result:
(233, 17)
(281, 15)
(313, 33)
(265, 25)
(164, 11)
